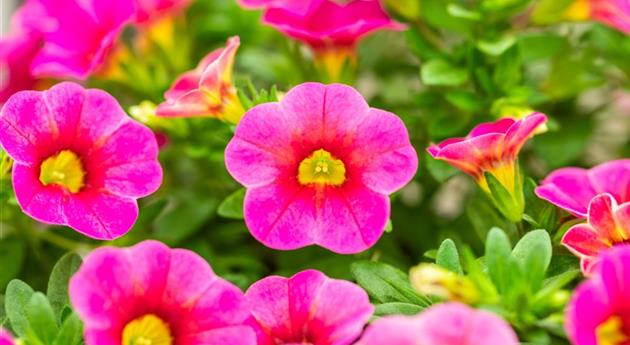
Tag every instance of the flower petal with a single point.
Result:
(569, 189)
(601, 217)
(583, 240)
(43, 203)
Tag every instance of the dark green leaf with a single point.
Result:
(448, 257)
(442, 73)
(58, 283)
(232, 206)
(41, 319)
(397, 308)
(70, 332)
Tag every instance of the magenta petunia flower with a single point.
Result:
(149, 10)
(443, 324)
(598, 311)
(308, 308)
(295, 6)
(319, 166)
(80, 37)
(206, 90)
(614, 13)
(79, 160)
(573, 188)
(5, 338)
(608, 225)
(151, 294)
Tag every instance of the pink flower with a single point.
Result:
(81, 36)
(493, 148)
(79, 160)
(573, 188)
(444, 324)
(206, 90)
(614, 13)
(149, 10)
(308, 308)
(5, 338)
(598, 311)
(608, 225)
(151, 294)
(296, 6)
(319, 166)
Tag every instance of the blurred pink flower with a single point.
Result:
(206, 90)
(319, 166)
(5, 338)
(79, 160)
(149, 10)
(608, 225)
(598, 311)
(443, 324)
(308, 308)
(151, 294)
(490, 147)
(81, 36)
(296, 6)
(573, 188)
(614, 13)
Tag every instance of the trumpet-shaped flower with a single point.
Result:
(151, 294)
(79, 160)
(492, 148)
(5, 338)
(572, 189)
(80, 36)
(608, 225)
(598, 311)
(319, 166)
(206, 90)
(444, 324)
(308, 308)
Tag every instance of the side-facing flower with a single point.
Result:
(319, 166)
(151, 294)
(80, 37)
(5, 338)
(206, 90)
(308, 308)
(492, 149)
(79, 159)
(614, 13)
(572, 189)
(151, 10)
(444, 324)
(332, 29)
(598, 311)
(608, 225)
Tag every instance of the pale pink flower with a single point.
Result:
(308, 308)
(319, 166)
(443, 324)
(151, 294)
(79, 159)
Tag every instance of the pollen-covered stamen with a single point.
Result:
(322, 168)
(147, 330)
(63, 169)
(611, 332)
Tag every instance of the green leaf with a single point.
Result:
(498, 46)
(232, 206)
(185, 215)
(17, 298)
(386, 284)
(397, 308)
(442, 73)
(41, 319)
(57, 291)
(458, 11)
(498, 256)
(553, 284)
(511, 206)
(533, 253)
(70, 332)
(448, 257)
(12, 259)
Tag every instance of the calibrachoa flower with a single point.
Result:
(614, 13)
(598, 311)
(573, 188)
(206, 90)
(332, 29)
(444, 324)
(151, 294)
(493, 148)
(297, 6)
(82, 34)
(149, 10)
(319, 166)
(608, 225)
(79, 160)
(5, 338)
(308, 308)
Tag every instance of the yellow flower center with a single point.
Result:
(322, 168)
(147, 330)
(610, 332)
(63, 169)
